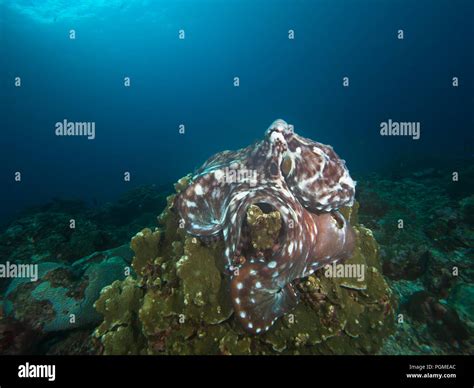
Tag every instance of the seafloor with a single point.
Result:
(174, 301)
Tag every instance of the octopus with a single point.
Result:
(306, 182)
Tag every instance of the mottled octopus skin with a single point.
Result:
(306, 182)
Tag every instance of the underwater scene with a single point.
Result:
(236, 177)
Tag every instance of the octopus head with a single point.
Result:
(271, 149)
(278, 129)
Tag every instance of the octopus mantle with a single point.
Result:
(306, 182)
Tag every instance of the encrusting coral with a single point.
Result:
(179, 302)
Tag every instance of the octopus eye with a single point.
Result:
(273, 168)
(286, 165)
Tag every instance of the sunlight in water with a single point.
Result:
(50, 11)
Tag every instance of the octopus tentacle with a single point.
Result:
(318, 177)
(203, 204)
(258, 300)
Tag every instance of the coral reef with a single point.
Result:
(176, 301)
(427, 258)
(63, 297)
(36, 317)
(179, 303)
(43, 234)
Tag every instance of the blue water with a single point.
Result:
(190, 82)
